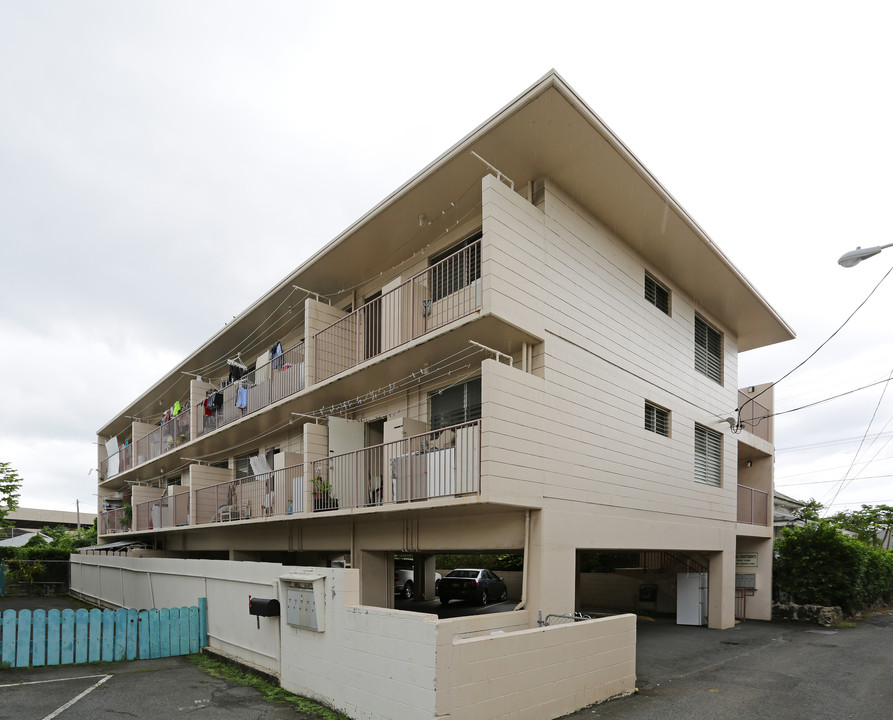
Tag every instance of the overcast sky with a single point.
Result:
(163, 164)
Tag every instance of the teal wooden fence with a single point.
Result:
(40, 637)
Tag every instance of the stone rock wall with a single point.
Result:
(824, 616)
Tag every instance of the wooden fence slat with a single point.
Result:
(54, 635)
(95, 652)
(132, 630)
(108, 635)
(164, 633)
(121, 626)
(23, 641)
(81, 636)
(9, 638)
(184, 630)
(39, 648)
(144, 648)
(193, 630)
(154, 633)
(175, 631)
(67, 656)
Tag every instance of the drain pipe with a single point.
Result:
(521, 605)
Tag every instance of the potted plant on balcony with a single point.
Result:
(127, 518)
(322, 495)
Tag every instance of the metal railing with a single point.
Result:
(125, 462)
(163, 439)
(164, 512)
(280, 492)
(434, 464)
(111, 521)
(263, 386)
(442, 293)
(754, 417)
(753, 506)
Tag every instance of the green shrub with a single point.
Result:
(819, 565)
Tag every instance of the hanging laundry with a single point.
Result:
(208, 406)
(276, 355)
(176, 410)
(242, 398)
(166, 417)
(235, 373)
(217, 400)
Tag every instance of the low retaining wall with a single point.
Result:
(819, 614)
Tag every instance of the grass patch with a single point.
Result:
(843, 624)
(224, 671)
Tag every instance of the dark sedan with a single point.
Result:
(476, 585)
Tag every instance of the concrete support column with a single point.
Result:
(721, 589)
(423, 567)
(759, 605)
(551, 567)
(376, 578)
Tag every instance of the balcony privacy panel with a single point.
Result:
(753, 506)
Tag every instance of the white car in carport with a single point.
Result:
(404, 582)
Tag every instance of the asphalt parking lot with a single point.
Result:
(759, 670)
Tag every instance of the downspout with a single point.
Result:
(521, 605)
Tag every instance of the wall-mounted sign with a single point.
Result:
(746, 559)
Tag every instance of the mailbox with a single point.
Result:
(263, 607)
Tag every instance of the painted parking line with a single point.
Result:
(75, 699)
(80, 696)
(41, 682)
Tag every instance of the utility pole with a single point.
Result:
(77, 504)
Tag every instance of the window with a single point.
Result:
(657, 294)
(708, 350)
(657, 420)
(708, 456)
(453, 270)
(455, 405)
(243, 465)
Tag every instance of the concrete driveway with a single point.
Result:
(777, 671)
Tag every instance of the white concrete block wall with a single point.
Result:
(538, 673)
(371, 663)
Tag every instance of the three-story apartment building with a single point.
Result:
(529, 347)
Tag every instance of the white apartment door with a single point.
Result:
(345, 436)
(691, 599)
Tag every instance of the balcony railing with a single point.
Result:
(444, 292)
(118, 462)
(754, 417)
(164, 512)
(280, 492)
(753, 506)
(164, 438)
(112, 521)
(263, 386)
(442, 463)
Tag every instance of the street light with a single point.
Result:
(854, 257)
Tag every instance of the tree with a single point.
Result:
(810, 511)
(10, 482)
(872, 524)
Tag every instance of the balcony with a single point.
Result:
(442, 463)
(275, 493)
(446, 291)
(753, 506)
(263, 386)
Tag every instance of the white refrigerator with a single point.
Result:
(691, 599)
